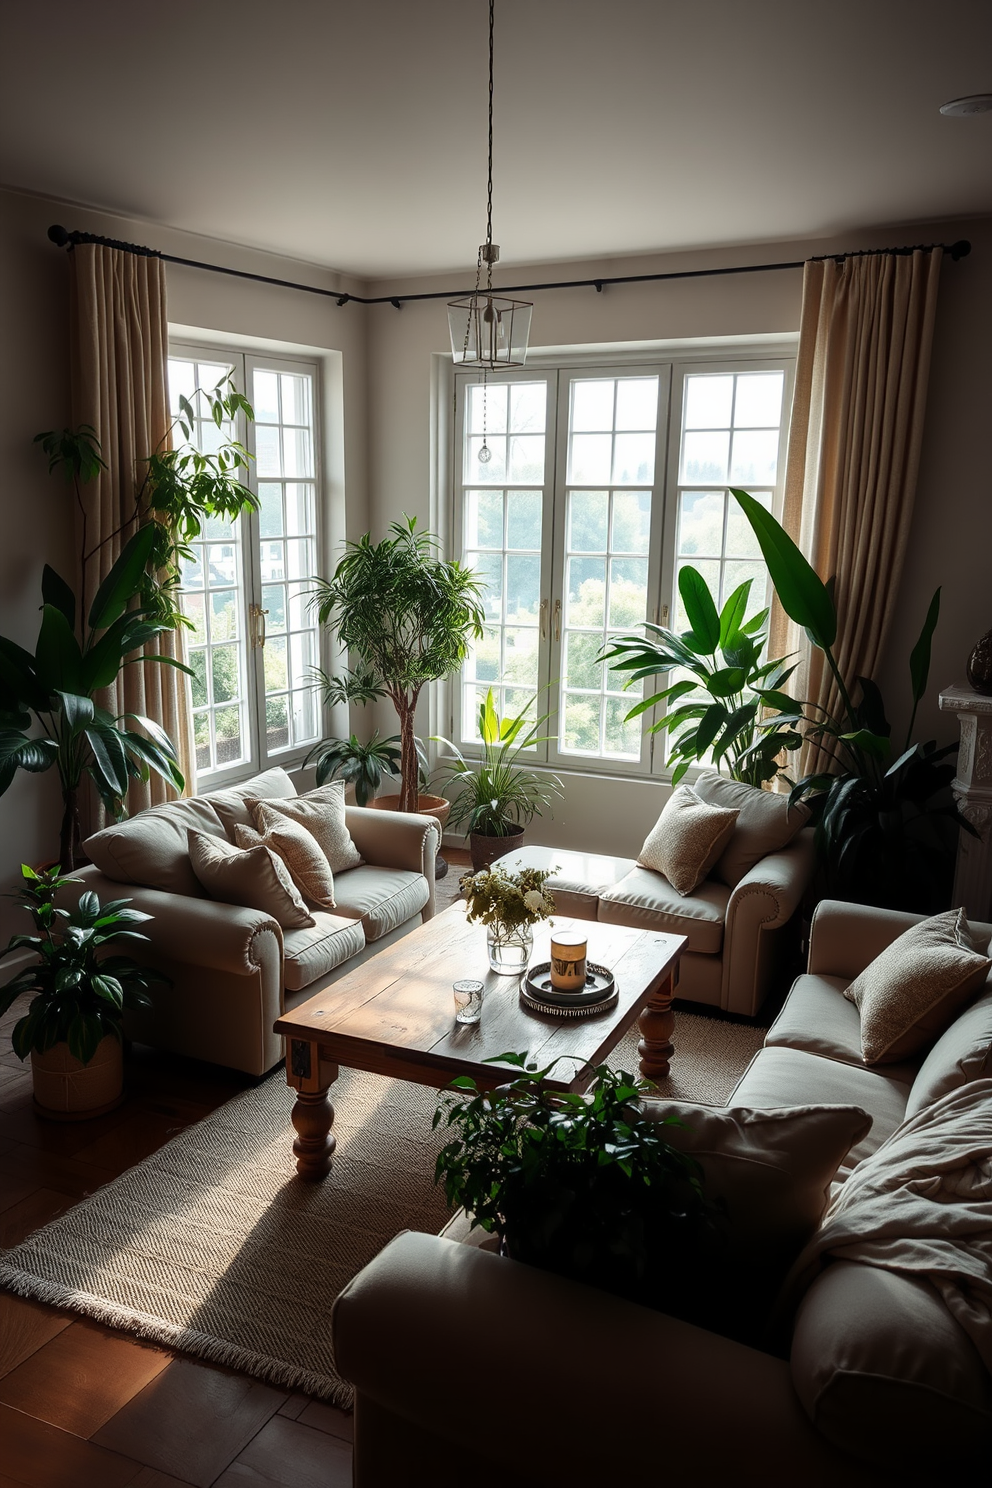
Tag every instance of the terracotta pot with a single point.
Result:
(65, 1090)
(485, 849)
(435, 806)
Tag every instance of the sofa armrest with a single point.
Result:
(395, 839)
(845, 938)
(765, 899)
(202, 932)
(609, 1376)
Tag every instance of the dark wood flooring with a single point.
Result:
(84, 1406)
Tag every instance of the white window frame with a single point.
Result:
(243, 362)
(673, 365)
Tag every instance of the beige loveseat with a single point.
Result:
(467, 1362)
(740, 922)
(234, 971)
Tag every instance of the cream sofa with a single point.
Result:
(464, 1362)
(234, 971)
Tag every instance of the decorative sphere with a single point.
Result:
(485, 455)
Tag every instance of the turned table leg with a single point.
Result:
(656, 1024)
(313, 1114)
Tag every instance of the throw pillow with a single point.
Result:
(910, 993)
(322, 813)
(687, 839)
(255, 878)
(962, 1054)
(297, 848)
(766, 823)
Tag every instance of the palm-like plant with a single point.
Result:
(357, 764)
(749, 719)
(405, 615)
(497, 795)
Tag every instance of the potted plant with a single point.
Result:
(584, 1185)
(509, 905)
(72, 1028)
(744, 720)
(357, 764)
(497, 797)
(886, 829)
(405, 616)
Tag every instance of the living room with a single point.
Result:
(838, 148)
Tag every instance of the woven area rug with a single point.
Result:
(212, 1246)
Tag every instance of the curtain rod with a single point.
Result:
(64, 239)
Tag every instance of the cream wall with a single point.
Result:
(37, 516)
(951, 526)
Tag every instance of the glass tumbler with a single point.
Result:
(468, 1001)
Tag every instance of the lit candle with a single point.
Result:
(568, 962)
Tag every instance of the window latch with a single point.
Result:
(257, 616)
(557, 619)
(544, 619)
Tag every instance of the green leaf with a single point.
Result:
(726, 682)
(59, 659)
(876, 745)
(78, 710)
(802, 593)
(710, 724)
(732, 614)
(124, 579)
(919, 661)
(55, 591)
(700, 610)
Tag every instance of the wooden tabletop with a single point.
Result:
(394, 1015)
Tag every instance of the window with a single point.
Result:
(253, 639)
(602, 483)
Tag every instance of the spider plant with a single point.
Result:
(496, 795)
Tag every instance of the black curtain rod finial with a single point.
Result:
(960, 249)
(58, 235)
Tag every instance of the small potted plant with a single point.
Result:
(497, 797)
(584, 1185)
(72, 1028)
(509, 905)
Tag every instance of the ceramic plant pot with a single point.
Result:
(486, 849)
(65, 1090)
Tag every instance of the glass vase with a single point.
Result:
(510, 948)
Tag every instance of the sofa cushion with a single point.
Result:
(578, 879)
(818, 1018)
(910, 993)
(253, 877)
(232, 807)
(322, 813)
(152, 848)
(382, 898)
(790, 1077)
(298, 849)
(765, 825)
(686, 840)
(647, 901)
(312, 953)
(962, 1054)
(884, 1371)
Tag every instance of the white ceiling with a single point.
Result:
(354, 135)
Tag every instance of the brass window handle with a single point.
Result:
(557, 619)
(257, 615)
(544, 619)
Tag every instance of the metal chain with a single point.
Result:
(489, 202)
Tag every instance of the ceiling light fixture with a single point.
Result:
(975, 103)
(488, 330)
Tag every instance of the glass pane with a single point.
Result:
(701, 523)
(637, 403)
(221, 567)
(735, 572)
(299, 558)
(224, 616)
(708, 401)
(755, 457)
(300, 613)
(227, 730)
(299, 510)
(276, 677)
(297, 451)
(209, 438)
(265, 397)
(197, 661)
(489, 567)
(704, 458)
(270, 515)
(592, 405)
(759, 399)
(182, 382)
(528, 407)
(273, 560)
(586, 593)
(224, 670)
(711, 573)
(580, 723)
(276, 723)
(741, 541)
(210, 374)
(621, 739)
(192, 569)
(304, 711)
(590, 457)
(301, 656)
(631, 521)
(520, 656)
(628, 592)
(477, 471)
(295, 398)
(633, 460)
(201, 740)
(487, 408)
(523, 587)
(268, 460)
(580, 668)
(523, 520)
(484, 519)
(527, 457)
(193, 607)
(588, 518)
(485, 664)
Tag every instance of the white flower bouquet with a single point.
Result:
(506, 900)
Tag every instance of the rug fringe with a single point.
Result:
(185, 1340)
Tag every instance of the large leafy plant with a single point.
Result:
(746, 719)
(405, 616)
(80, 990)
(584, 1185)
(885, 828)
(497, 794)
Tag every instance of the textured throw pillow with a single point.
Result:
(322, 813)
(256, 879)
(297, 848)
(687, 839)
(962, 1054)
(910, 993)
(766, 823)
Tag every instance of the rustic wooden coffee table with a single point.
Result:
(394, 1016)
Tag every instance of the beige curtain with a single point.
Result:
(120, 346)
(854, 448)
